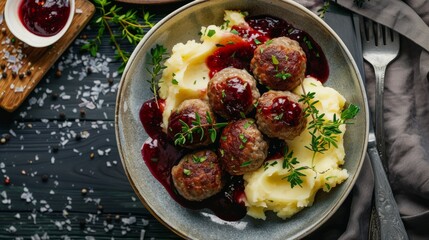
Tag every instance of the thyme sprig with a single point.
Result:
(295, 174)
(129, 24)
(197, 127)
(158, 55)
(324, 132)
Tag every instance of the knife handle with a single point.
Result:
(391, 225)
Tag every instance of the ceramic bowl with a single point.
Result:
(15, 25)
(184, 24)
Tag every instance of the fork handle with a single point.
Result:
(391, 225)
(379, 119)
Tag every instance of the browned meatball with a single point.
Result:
(280, 115)
(186, 115)
(242, 147)
(198, 175)
(232, 93)
(279, 64)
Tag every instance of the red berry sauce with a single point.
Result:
(284, 110)
(44, 17)
(236, 96)
(235, 53)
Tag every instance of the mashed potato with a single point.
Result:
(266, 189)
(187, 65)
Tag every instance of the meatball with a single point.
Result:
(187, 114)
(232, 93)
(279, 64)
(242, 147)
(280, 115)
(198, 175)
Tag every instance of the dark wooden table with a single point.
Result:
(50, 167)
(61, 176)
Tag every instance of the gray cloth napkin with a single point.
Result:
(406, 122)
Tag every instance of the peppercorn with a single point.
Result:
(110, 81)
(21, 76)
(62, 116)
(14, 74)
(44, 178)
(3, 66)
(82, 113)
(4, 75)
(54, 96)
(55, 149)
(58, 73)
(28, 72)
(109, 218)
(78, 137)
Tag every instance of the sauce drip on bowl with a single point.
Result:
(44, 17)
(159, 153)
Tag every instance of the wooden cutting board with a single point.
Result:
(14, 88)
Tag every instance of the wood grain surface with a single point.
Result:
(48, 119)
(14, 89)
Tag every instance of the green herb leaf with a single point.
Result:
(211, 33)
(187, 172)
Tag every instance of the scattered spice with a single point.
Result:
(4, 75)
(55, 149)
(3, 140)
(91, 155)
(3, 66)
(78, 137)
(21, 76)
(28, 72)
(82, 113)
(58, 73)
(45, 177)
(62, 116)
(84, 191)
(110, 81)
(54, 96)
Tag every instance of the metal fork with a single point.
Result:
(380, 46)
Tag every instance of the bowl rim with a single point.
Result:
(17, 28)
(365, 107)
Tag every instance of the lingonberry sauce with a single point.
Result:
(44, 17)
(235, 52)
(236, 96)
(284, 110)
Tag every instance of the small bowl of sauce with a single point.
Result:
(39, 23)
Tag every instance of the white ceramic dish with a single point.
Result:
(183, 25)
(15, 25)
